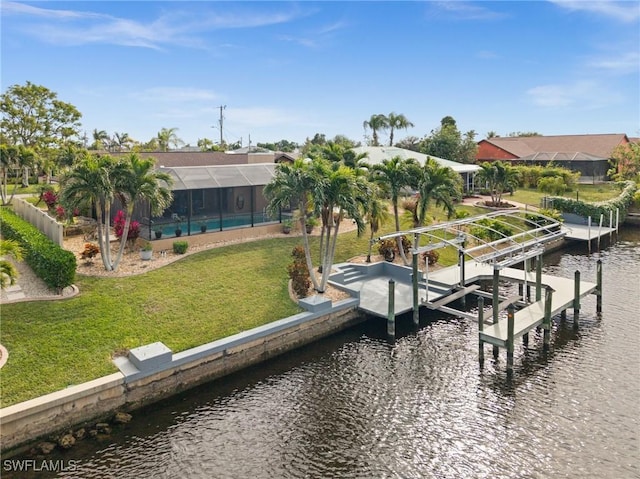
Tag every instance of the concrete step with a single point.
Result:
(352, 276)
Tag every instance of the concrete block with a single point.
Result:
(150, 356)
(315, 304)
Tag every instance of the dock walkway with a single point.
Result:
(371, 284)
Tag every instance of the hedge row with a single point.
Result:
(623, 201)
(53, 264)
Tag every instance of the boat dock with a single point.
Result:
(386, 289)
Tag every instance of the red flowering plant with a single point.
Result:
(50, 198)
(118, 226)
(60, 213)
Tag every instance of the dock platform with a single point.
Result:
(580, 232)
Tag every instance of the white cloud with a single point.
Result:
(463, 10)
(69, 27)
(581, 94)
(622, 11)
(174, 94)
(487, 55)
(628, 62)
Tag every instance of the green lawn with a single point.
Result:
(601, 192)
(201, 298)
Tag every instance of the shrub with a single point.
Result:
(581, 208)
(491, 230)
(89, 252)
(299, 273)
(180, 247)
(388, 248)
(549, 213)
(53, 264)
(554, 185)
(431, 257)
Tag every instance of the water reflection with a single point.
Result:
(359, 406)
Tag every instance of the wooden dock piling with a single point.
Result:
(391, 317)
(576, 298)
(599, 287)
(480, 328)
(414, 284)
(538, 277)
(510, 346)
(548, 294)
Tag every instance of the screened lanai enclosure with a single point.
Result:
(212, 198)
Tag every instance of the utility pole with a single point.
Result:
(222, 107)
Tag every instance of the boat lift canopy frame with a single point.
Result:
(527, 242)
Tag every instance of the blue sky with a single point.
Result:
(289, 70)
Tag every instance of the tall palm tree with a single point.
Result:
(397, 122)
(8, 271)
(167, 137)
(90, 183)
(137, 179)
(343, 193)
(295, 184)
(376, 123)
(101, 140)
(122, 141)
(393, 175)
(439, 184)
(17, 158)
(377, 215)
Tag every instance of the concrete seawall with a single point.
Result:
(153, 372)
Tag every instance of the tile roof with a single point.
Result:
(598, 145)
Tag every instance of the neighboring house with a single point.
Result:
(376, 154)
(587, 154)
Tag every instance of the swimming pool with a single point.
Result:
(212, 224)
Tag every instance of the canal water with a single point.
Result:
(358, 405)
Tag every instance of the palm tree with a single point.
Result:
(17, 158)
(294, 184)
(136, 179)
(90, 183)
(100, 140)
(168, 136)
(393, 175)
(343, 193)
(439, 184)
(376, 123)
(329, 190)
(377, 215)
(499, 177)
(122, 141)
(395, 122)
(8, 271)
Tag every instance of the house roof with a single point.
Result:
(563, 156)
(220, 176)
(377, 154)
(172, 159)
(598, 145)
